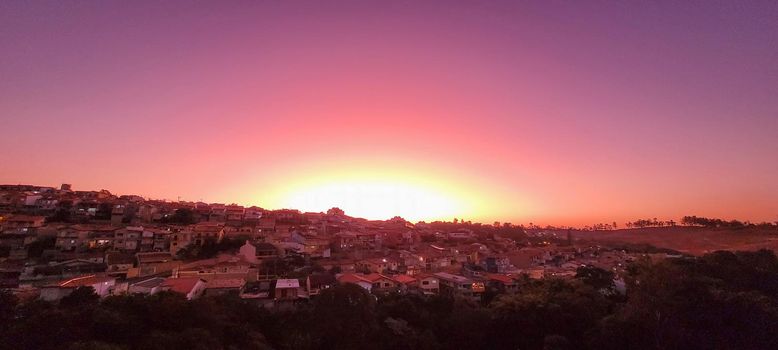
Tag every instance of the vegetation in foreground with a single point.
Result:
(722, 300)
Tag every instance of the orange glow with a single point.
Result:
(375, 199)
(376, 193)
(373, 191)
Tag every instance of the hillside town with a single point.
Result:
(54, 240)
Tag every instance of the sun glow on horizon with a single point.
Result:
(414, 193)
(376, 199)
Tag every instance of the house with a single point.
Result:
(427, 284)
(256, 290)
(374, 282)
(244, 231)
(381, 283)
(24, 221)
(102, 286)
(146, 241)
(355, 278)
(377, 265)
(196, 234)
(433, 258)
(286, 289)
(83, 237)
(234, 213)
(129, 238)
(117, 215)
(119, 263)
(529, 257)
(160, 240)
(223, 286)
(404, 282)
(287, 214)
(152, 264)
(339, 265)
(71, 239)
(256, 252)
(190, 287)
(307, 244)
(53, 255)
(220, 267)
(497, 264)
(283, 231)
(460, 286)
(315, 283)
(265, 226)
(461, 234)
(252, 214)
(147, 286)
(218, 213)
(100, 238)
(65, 269)
(535, 273)
(501, 283)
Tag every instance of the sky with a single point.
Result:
(551, 112)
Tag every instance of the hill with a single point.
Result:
(689, 240)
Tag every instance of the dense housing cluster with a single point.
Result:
(123, 272)
(55, 240)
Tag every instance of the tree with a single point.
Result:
(596, 277)
(8, 303)
(104, 211)
(344, 317)
(36, 248)
(62, 214)
(547, 307)
(95, 345)
(182, 216)
(555, 342)
(81, 296)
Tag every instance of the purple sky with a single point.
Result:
(552, 111)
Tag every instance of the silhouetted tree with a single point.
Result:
(80, 297)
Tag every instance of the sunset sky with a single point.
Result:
(552, 112)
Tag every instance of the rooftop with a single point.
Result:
(88, 280)
(150, 283)
(182, 285)
(226, 283)
(287, 283)
(452, 277)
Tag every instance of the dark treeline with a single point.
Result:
(699, 221)
(722, 300)
(713, 222)
(641, 223)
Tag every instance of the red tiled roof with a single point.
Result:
(375, 277)
(500, 278)
(404, 279)
(182, 285)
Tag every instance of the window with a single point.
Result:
(424, 283)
